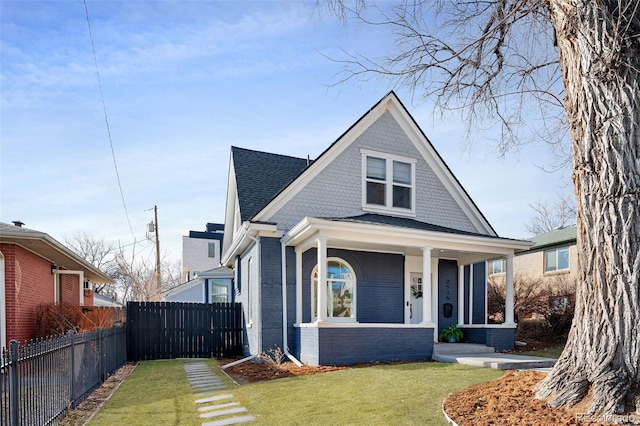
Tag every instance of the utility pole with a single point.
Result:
(155, 212)
(153, 227)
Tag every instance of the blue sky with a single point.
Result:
(182, 83)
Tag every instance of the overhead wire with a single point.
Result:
(106, 119)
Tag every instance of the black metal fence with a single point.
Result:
(166, 330)
(40, 380)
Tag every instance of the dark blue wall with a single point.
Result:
(380, 284)
(501, 339)
(346, 346)
(479, 283)
(447, 291)
(271, 293)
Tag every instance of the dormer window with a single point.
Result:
(388, 183)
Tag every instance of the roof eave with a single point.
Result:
(68, 259)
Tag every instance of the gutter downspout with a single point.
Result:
(284, 307)
(240, 361)
(258, 295)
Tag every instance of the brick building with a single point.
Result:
(37, 269)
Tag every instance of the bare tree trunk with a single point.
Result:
(600, 61)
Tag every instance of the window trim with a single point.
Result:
(354, 298)
(503, 263)
(389, 184)
(212, 249)
(557, 269)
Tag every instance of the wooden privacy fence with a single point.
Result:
(165, 330)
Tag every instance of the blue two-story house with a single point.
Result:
(364, 253)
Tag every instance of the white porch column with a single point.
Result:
(427, 316)
(321, 297)
(298, 287)
(460, 294)
(471, 294)
(508, 314)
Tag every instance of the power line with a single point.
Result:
(106, 119)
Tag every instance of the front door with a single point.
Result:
(415, 301)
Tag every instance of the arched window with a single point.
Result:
(341, 290)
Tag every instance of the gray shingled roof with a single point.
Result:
(563, 235)
(260, 176)
(404, 222)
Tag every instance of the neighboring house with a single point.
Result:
(363, 254)
(103, 301)
(36, 269)
(201, 250)
(210, 286)
(552, 257)
(551, 261)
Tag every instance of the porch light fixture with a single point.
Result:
(53, 269)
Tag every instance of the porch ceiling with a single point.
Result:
(465, 248)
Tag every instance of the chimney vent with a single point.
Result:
(18, 223)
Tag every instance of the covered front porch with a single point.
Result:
(376, 288)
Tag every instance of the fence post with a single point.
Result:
(100, 355)
(14, 392)
(72, 360)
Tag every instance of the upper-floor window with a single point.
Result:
(388, 182)
(498, 266)
(212, 250)
(556, 259)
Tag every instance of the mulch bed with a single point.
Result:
(510, 400)
(248, 372)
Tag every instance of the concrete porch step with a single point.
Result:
(498, 361)
(460, 349)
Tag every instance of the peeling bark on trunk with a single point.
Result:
(599, 45)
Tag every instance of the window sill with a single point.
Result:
(389, 211)
(560, 272)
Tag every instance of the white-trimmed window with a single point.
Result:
(219, 291)
(388, 182)
(212, 250)
(556, 259)
(498, 266)
(341, 291)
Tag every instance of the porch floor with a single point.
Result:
(485, 356)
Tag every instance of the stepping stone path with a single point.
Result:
(215, 400)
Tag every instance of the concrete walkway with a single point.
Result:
(485, 356)
(215, 401)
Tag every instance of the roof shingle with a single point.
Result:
(260, 176)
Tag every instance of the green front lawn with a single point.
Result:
(397, 394)
(157, 392)
(547, 353)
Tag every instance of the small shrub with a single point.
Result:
(274, 356)
(543, 307)
(56, 319)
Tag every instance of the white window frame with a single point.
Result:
(503, 266)
(354, 286)
(217, 285)
(557, 269)
(212, 248)
(389, 184)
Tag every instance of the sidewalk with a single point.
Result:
(485, 356)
